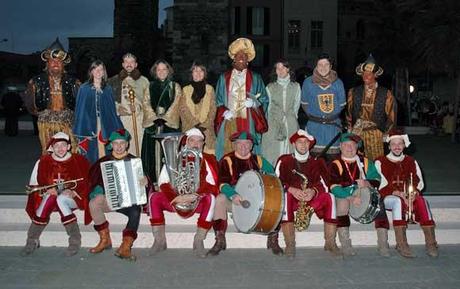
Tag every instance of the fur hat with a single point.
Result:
(60, 136)
(302, 134)
(397, 133)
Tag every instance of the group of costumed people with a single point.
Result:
(241, 126)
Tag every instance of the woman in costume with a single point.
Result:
(95, 114)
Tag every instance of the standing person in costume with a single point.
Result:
(161, 115)
(200, 202)
(130, 78)
(401, 173)
(52, 96)
(95, 114)
(241, 99)
(231, 167)
(118, 145)
(316, 195)
(284, 102)
(346, 174)
(56, 167)
(371, 109)
(323, 99)
(197, 106)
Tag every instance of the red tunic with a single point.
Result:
(396, 173)
(314, 169)
(49, 171)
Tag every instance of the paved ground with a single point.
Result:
(255, 268)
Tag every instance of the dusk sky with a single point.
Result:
(31, 25)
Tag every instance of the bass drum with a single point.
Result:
(266, 202)
(369, 208)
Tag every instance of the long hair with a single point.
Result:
(153, 70)
(93, 65)
(198, 64)
(286, 64)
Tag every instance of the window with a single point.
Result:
(316, 34)
(258, 21)
(294, 31)
(235, 20)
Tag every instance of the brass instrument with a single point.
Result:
(409, 194)
(183, 171)
(304, 212)
(60, 185)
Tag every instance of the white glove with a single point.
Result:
(228, 115)
(249, 103)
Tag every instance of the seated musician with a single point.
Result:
(185, 205)
(118, 145)
(54, 168)
(401, 173)
(347, 173)
(231, 167)
(315, 196)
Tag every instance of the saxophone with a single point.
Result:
(304, 212)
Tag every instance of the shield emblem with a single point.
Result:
(326, 102)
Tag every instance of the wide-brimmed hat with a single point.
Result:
(56, 51)
(398, 133)
(369, 65)
(242, 44)
(118, 134)
(302, 134)
(60, 136)
(348, 136)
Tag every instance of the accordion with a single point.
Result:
(121, 183)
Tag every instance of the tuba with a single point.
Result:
(183, 170)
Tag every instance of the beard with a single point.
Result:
(397, 154)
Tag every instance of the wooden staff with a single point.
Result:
(132, 97)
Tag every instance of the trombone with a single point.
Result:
(72, 184)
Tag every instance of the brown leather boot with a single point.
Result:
(272, 243)
(73, 231)
(401, 242)
(430, 241)
(330, 231)
(33, 236)
(219, 245)
(382, 242)
(105, 242)
(345, 241)
(289, 239)
(124, 251)
(198, 245)
(159, 243)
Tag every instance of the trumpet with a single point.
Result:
(409, 193)
(60, 184)
(304, 212)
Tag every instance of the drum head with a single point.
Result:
(250, 188)
(357, 212)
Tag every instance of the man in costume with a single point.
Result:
(231, 167)
(348, 173)
(315, 195)
(371, 109)
(52, 170)
(118, 144)
(323, 99)
(130, 78)
(401, 176)
(186, 205)
(241, 99)
(52, 96)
